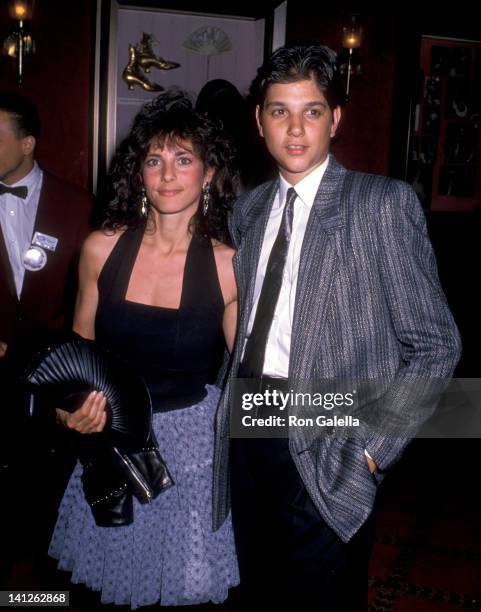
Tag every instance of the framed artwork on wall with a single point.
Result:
(444, 157)
(178, 47)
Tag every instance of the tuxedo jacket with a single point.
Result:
(47, 294)
(368, 305)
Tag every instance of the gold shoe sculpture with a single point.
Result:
(141, 59)
(133, 74)
(146, 57)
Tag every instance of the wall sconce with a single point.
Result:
(349, 62)
(20, 43)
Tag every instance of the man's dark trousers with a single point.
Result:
(288, 555)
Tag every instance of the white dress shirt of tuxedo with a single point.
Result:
(17, 219)
(276, 362)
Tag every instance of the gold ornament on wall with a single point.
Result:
(19, 42)
(141, 59)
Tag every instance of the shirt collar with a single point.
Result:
(305, 189)
(30, 180)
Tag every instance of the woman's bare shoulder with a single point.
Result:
(101, 240)
(98, 245)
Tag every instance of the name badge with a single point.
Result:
(45, 241)
(34, 258)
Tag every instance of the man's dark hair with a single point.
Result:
(298, 63)
(171, 118)
(26, 120)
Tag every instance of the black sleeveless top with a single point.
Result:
(176, 351)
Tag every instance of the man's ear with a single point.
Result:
(28, 145)
(336, 118)
(258, 120)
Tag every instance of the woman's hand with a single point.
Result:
(89, 418)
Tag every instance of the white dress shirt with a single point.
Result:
(17, 220)
(276, 362)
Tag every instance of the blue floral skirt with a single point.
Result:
(169, 554)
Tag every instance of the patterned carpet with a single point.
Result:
(427, 554)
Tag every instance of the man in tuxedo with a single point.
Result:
(337, 282)
(43, 221)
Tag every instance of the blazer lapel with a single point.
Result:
(249, 238)
(6, 268)
(246, 258)
(317, 270)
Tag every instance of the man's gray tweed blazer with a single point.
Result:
(368, 304)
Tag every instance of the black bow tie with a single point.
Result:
(20, 192)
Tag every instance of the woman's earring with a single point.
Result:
(144, 203)
(205, 198)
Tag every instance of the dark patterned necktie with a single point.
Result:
(20, 192)
(253, 362)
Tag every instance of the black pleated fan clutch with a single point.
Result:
(64, 373)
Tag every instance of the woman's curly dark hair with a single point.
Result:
(171, 118)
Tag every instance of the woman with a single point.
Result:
(157, 288)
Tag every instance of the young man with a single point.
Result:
(337, 280)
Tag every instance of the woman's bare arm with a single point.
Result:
(223, 258)
(91, 416)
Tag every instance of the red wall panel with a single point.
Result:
(57, 78)
(364, 135)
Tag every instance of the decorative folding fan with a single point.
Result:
(65, 372)
(208, 40)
